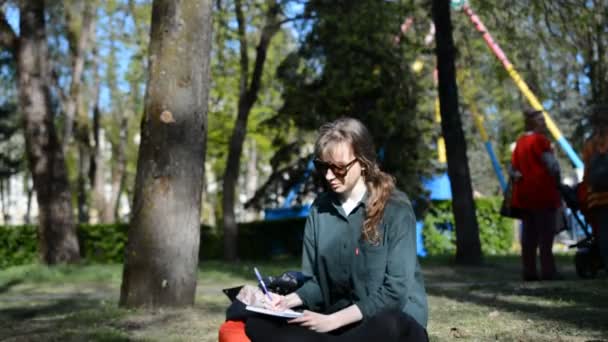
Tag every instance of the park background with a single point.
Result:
(277, 70)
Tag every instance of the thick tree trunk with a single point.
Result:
(247, 97)
(163, 241)
(57, 232)
(468, 247)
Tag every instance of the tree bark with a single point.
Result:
(247, 96)
(118, 171)
(79, 42)
(57, 233)
(163, 240)
(30, 193)
(84, 159)
(4, 200)
(97, 168)
(468, 247)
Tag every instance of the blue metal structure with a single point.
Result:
(287, 210)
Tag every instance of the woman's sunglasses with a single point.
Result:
(337, 170)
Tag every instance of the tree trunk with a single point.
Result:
(97, 165)
(118, 172)
(79, 42)
(468, 247)
(163, 240)
(57, 232)
(251, 177)
(84, 156)
(30, 193)
(247, 97)
(4, 200)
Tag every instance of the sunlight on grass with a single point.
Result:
(60, 274)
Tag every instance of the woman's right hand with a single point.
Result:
(278, 302)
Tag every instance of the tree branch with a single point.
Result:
(268, 31)
(244, 60)
(8, 37)
(297, 17)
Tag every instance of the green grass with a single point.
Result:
(484, 303)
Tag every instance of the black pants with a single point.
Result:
(387, 326)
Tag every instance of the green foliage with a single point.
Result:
(349, 65)
(105, 243)
(11, 141)
(102, 242)
(18, 245)
(439, 237)
(495, 231)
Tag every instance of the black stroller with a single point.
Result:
(587, 259)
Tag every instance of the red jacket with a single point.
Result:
(537, 188)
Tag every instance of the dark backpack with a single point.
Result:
(597, 173)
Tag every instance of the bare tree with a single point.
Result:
(163, 241)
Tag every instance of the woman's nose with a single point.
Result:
(329, 175)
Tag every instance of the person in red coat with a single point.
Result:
(536, 176)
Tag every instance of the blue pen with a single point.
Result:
(261, 281)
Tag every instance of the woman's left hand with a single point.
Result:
(316, 321)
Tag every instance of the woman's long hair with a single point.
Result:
(379, 184)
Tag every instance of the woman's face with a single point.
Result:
(341, 159)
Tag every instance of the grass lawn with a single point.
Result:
(487, 303)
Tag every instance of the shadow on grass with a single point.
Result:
(580, 304)
(58, 308)
(439, 270)
(77, 316)
(9, 284)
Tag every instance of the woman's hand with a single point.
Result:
(316, 321)
(278, 302)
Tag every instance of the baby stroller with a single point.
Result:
(587, 259)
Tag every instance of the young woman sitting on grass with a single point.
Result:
(360, 250)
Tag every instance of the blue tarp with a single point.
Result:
(439, 187)
(285, 213)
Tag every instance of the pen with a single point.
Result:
(261, 281)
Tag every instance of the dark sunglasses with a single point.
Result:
(337, 170)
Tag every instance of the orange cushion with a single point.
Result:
(233, 331)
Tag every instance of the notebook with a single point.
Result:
(285, 314)
(232, 292)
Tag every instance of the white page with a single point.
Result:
(287, 313)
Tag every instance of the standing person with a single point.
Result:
(360, 250)
(595, 156)
(536, 175)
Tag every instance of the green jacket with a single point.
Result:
(347, 270)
